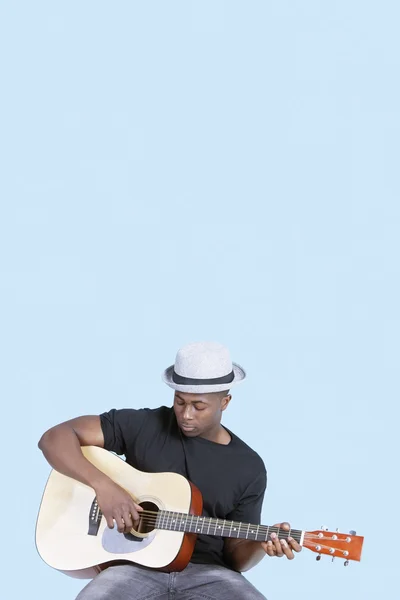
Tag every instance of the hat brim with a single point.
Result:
(238, 372)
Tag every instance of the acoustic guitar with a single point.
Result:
(73, 537)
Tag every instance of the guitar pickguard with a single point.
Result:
(124, 543)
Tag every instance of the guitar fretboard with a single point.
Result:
(174, 521)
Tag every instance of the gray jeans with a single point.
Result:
(207, 582)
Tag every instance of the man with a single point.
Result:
(188, 439)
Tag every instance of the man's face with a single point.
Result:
(199, 414)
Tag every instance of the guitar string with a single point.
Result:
(323, 546)
(273, 528)
(212, 521)
(153, 516)
(308, 537)
(169, 514)
(262, 530)
(150, 518)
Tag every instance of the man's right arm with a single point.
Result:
(61, 446)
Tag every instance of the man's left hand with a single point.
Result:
(281, 547)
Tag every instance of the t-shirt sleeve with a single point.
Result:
(120, 427)
(248, 509)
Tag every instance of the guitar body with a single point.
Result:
(72, 536)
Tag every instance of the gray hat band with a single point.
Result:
(189, 381)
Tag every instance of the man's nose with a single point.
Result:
(188, 414)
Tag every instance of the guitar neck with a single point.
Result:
(182, 522)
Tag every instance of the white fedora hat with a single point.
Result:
(203, 368)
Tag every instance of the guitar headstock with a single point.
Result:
(334, 544)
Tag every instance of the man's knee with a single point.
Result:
(123, 582)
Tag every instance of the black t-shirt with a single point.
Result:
(231, 478)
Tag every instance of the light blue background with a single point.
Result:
(177, 171)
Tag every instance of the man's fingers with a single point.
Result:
(269, 548)
(110, 521)
(128, 522)
(283, 546)
(285, 526)
(287, 550)
(277, 545)
(130, 515)
(125, 516)
(136, 511)
(295, 545)
(120, 523)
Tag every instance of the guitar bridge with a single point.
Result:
(95, 516)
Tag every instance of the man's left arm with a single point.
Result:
(242, 555)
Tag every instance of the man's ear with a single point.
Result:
(225, 401)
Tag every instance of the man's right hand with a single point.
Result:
(116, 504)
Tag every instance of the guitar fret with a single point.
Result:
(173, 520)
(247, 533)
(208, 528)
(216, 527)
(230, 529)
(266, 536)
(158, 520)
(183, 523)
(198, 523)
(178, 521)
(202, 524)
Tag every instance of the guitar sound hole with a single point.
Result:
(148, 521)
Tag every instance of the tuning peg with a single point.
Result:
(318, 557)
(324, 528)
(346, 563)
(352, 532)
